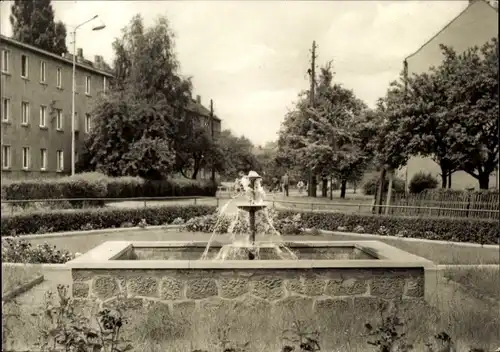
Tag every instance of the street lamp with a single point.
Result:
(73, 112)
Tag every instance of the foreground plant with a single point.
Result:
(62, 328)
(300, 336)
(389, 335)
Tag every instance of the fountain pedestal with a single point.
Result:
(252, 208)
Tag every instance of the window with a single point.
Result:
(5, 109)
(87, 85)
(5, 60)
(104, 84)
(24, 66)
(25, 113)
(42, 71)
(59, 120)
(43, 159)
(60, 160)
(26, 158)
(43, 116)
(5, 156)
(87, 123)
(59, 77)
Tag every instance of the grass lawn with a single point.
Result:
(14, 276)
(436, 252)
(439, 253)
(483, 283)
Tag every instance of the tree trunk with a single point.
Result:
(343, 187)
(314, 185)
(484, 180)
(449, 180)
(355, 185)
(331, 187)
(380, 191)
(389, 192)
(444, 178)
(324, 187)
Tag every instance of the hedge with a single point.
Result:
(95, 185)
(92, 219)
(445, 229)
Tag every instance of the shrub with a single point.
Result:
(266, 223)
(60, 221)
(422, 181)
(95, 185)
(18, 250)
(371, 185)
(446, 229)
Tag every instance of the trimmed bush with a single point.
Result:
(422, 181)
(444, 229)
(266, 223)
(93, 219)
(371, 185)
(203, 219)
(95, 185)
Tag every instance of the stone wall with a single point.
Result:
(320, 291)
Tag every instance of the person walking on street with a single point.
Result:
(285, 183)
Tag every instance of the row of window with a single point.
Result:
(25, 115)
(26, 158)
(43, 74)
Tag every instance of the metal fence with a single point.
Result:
(396, 210)
(448, 204)
(334, 207)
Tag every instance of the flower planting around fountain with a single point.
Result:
(198, 278)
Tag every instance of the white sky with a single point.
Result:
(251, 57)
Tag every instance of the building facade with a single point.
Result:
(476, 25)
(36, 105)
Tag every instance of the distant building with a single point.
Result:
(474, 26)
(35, 113)
(197, 109)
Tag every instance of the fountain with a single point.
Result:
(255, 194)
(244, 272)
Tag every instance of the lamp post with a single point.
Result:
(73, 90)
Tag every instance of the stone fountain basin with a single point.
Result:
(390, 273)
(266, 250)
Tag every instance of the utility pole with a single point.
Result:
(212, 135)
(312, 73)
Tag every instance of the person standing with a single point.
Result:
(300, 186)
(285, 183)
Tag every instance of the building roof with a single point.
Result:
(86, 66)
(471, 3)
(193, 105)
(199, 109)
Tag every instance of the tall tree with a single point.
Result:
(324, 137)
(450, 114)
(33, 23)
(146, 63)
(129, 138)
(139, 125)
(237, 155)
(471, 83)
